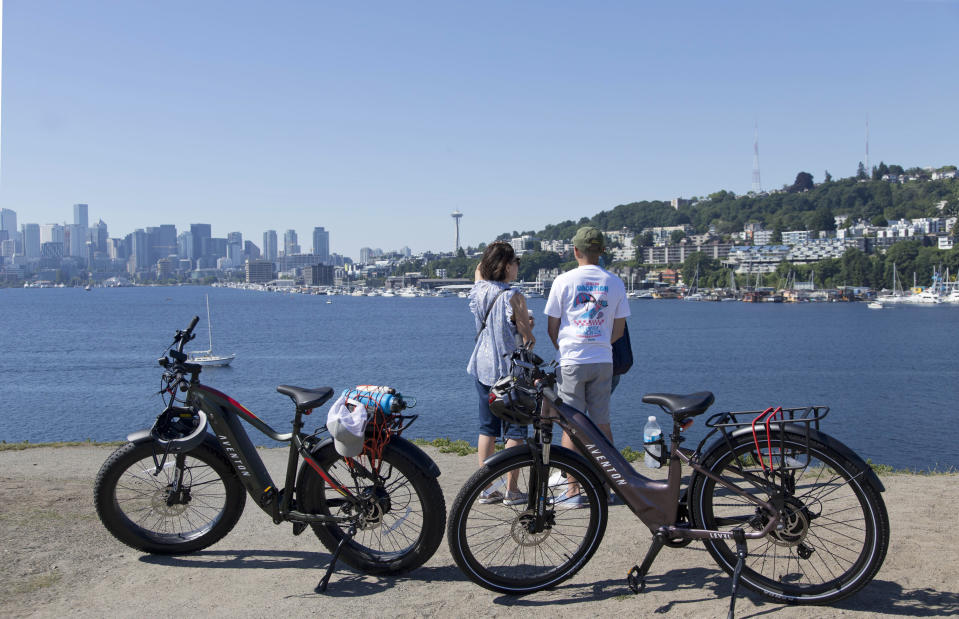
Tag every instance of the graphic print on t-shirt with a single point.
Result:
(589, 301)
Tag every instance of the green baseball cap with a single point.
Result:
(589, 238)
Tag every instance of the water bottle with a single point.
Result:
(652, 436)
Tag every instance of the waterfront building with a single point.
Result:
(822, 249)
(290, 245)
(269, 245)
(321, 244)
(259, 271)
(756, 258)
(318, 275)
(164, 269)
(677, 253)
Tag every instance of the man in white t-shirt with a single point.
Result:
(587, 310)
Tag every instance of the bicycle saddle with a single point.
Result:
(306, 399)
(681, 406)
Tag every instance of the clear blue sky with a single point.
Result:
(377, 119)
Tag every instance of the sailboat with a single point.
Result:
(206, 357)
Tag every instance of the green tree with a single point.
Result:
(676, 236)
(803, 182)
(827, 177)
(861, 172)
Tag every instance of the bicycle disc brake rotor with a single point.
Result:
(520, 530)
(795, 524)
(376, 504)
(168, 502)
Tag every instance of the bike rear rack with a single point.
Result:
(770, 453)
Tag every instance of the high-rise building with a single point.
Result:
(139, 251)
(250, 250)
(269, 245)
(163, 241)
(8, 222)
(51, 233)
(30, 237)
(75, 240)
(98, 235)
(184, 245)
(321, 244)
(290, 246)
(201, 234)
(80, 217)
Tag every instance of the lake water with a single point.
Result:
(82, 365)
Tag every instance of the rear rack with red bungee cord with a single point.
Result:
(769, 429)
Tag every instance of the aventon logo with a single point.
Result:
(234, 456)
(606, 466)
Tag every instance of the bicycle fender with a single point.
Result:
(144, 436)
(410, 450)
(870, 475)
(554, 449)
(419, 457)
(140, 436)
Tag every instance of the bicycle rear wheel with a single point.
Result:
(499, 547)
(402, 517)
(835, 529)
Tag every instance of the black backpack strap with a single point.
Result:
(488, 310)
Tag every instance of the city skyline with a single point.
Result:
(517, 116)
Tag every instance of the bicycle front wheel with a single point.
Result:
(835, 529)
(173, 510)
(502, 547)
(400, 520)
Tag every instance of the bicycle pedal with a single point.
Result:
(298, 527)
(636, 584)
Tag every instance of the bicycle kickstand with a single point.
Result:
(636, 578)
(321, 586)
(740, 536)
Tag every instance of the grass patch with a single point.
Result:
(631, 454)
(5, 446)
(446, 446)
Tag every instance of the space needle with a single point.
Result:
(456, 215)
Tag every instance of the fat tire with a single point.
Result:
(133, 518)
(419, 488)
(512, 579)
(859, 524)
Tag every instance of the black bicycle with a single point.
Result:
(811, 508)
(176, 488)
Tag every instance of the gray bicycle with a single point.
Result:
(810, 510)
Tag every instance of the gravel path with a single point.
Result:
(57, 560)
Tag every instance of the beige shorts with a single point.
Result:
(587, 388)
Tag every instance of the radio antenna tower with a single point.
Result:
(456, 215)
(868, 169)
(757, 185)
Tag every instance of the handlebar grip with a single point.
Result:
(193, 323)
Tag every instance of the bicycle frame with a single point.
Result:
(655, 503)
(224, 415)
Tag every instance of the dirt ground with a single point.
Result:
(56, 559)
